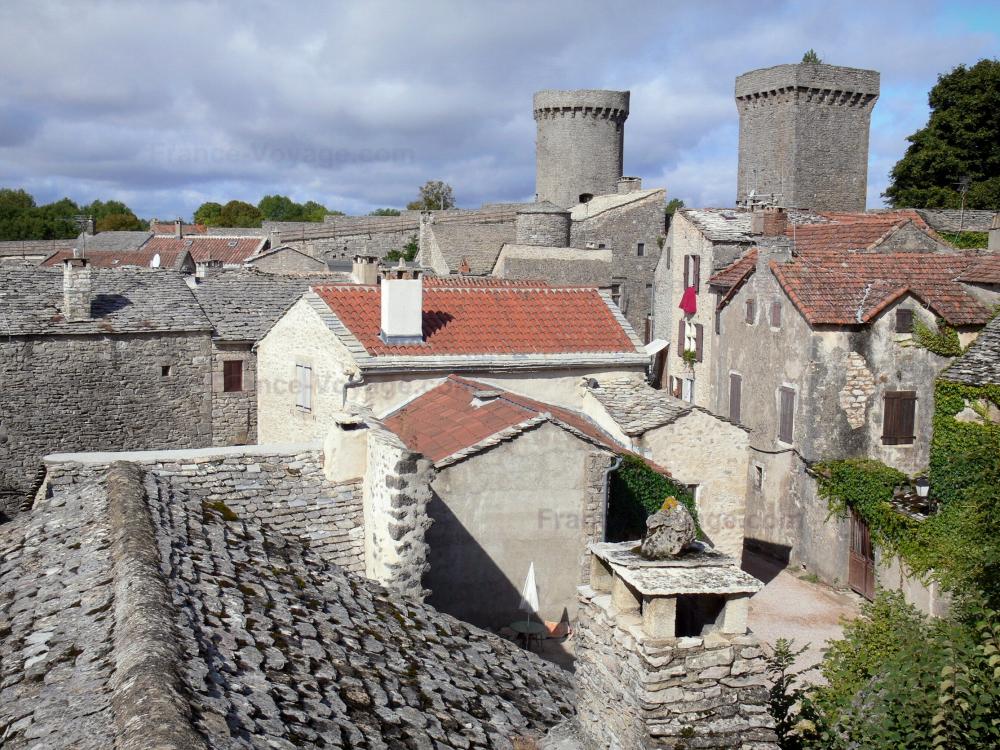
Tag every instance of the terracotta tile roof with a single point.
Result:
(461, 318)
(140, 258)
(229, 250)
(984, 270)
(168, 228)
(735, 273)
(852, 231)
(835, 288)
(447, 420)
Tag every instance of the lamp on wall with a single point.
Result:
(923, 487)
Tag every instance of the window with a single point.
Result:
(166, 371)
(904, 321)
(616, 293)
(758, 477)
(641, 249)
(898, 417)
(232, 375)
(775, 314)
(690, 338)
(687, 390)
(586, 197)
(693, 489)
(751, 312)
(692, 271)
(735, 396)
(303, 376)
(786, 414)
(601, 246)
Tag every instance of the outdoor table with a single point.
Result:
(529, 630)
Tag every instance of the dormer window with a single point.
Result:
(586, 197)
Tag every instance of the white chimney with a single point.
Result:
(365, 270)
(402, 306)
(76, 288)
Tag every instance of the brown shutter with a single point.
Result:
(699, 329)
(750, 312)
(687, 270)
(696, 259)
(718, 316)
(735, 396)
(680, 337)
(898, 417)
(786, 414)
(904, 321)
(775, 315)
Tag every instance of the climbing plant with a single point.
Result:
(636, 491)
(967, 240)
(942, 340)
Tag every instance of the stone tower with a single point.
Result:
(578, 151)
(804, 135)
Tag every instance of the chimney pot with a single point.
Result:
(76, 288)
(178, 228)
(770, 221)
(365, 270)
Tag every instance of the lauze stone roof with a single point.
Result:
(126, 300)
(637, 407)
(134, 615)
(475, 319)
(980, 365)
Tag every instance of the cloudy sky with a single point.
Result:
(168, 104)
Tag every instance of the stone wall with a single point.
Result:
(284, 489)
(345, 247)
(804, 134)
(560, 266)
(294, 260)
(234, 413)
(621, 230)
(111, 392)
(396, 492)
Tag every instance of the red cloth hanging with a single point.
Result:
(689, 302)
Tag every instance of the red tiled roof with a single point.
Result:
(444, 420)
(852, 231)
(481, 281)
(734, 273)
(831, 288)
(462, 318)
(229, 250)
(141, 258)
(984, 270)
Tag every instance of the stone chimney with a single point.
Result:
(629, 185)
(208, 268)
(994, 243)
(770, 221)
(365, 270)
(402, 305)
(89, 228)
(663, 657)
(76, 288)
(178, 228)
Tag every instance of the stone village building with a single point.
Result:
(116, 359)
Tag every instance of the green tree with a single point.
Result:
(112, 216)
(15, 200)
(435, 195)
(279, 208)
(239, 214)
(385, 212)
(672, 205)
(313, 211)
(959, 148)
(408, 253)
(811, 57)
(209, 214)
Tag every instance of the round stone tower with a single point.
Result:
(578, 150)
(542, 224)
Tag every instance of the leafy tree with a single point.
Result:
(112, 216)
(209, 214)
(435, 195)
(958, 149)
(313, 211)
(22, 219)
(279, 208)
(811, 57)
(408, 253)
(15, 200)
(239, 214)
(672, 205)
(386, 212)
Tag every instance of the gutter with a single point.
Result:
(350, 383)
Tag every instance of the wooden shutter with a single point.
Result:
(232, 375)
(680, 338)
(699, 330)
(786, 414)
(750, 311)
(898, 417)
(775, 314)
(696, 259)
(904, 321)
(687, 271)
(735, 396)
(718, 316)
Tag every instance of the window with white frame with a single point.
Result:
(687, 390)
(303, 376)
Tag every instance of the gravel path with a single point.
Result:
(793, 608)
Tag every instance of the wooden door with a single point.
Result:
(861, 566)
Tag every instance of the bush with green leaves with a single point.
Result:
(637, 491)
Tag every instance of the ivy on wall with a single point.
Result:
(967, 240)
(636, 492)
(941, 340)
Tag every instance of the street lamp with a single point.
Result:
(923, 486)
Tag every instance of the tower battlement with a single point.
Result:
(804, 134)
(579, 144)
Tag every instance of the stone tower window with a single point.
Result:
(751, 312)
(232, 375)
(166, 371)
(641, 249)
(786, 414)
(586, 197)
